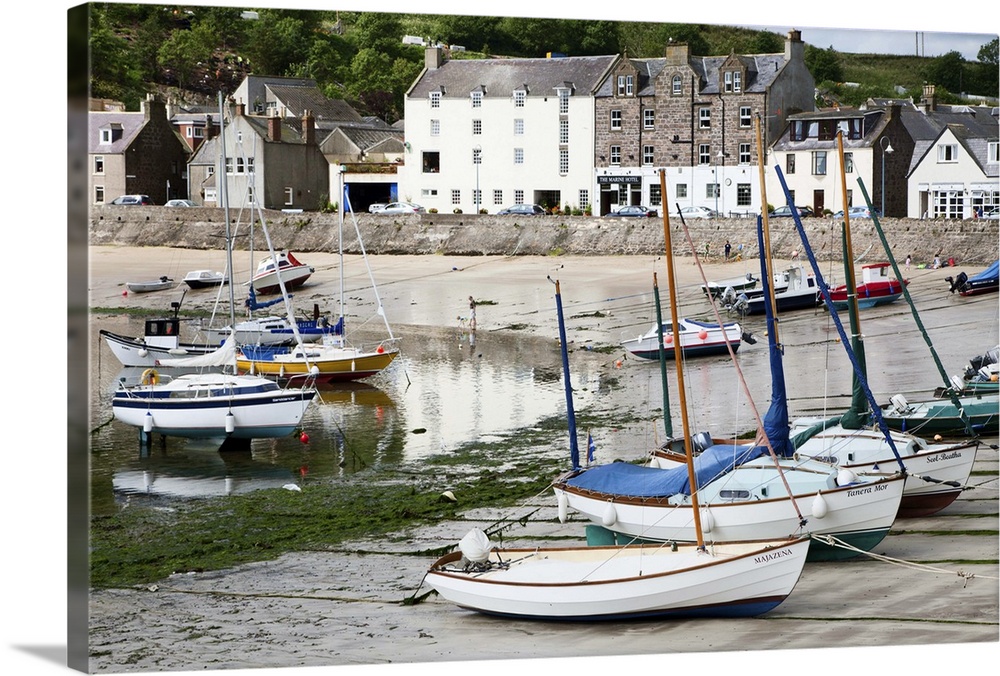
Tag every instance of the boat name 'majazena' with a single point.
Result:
(948, 456)
(866, 489)
(771, 556)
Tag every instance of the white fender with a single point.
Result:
(846, 477)
(819, 506)
(707, 521)
(230, 422)
(563, 503)
(610, 515)
(147, 423)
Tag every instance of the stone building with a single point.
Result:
(694, 116)
(132, 153)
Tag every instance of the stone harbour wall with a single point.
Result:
(968, 242)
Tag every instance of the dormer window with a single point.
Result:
(625, 85)
(563, 100)
(111, 133)
(732, 81)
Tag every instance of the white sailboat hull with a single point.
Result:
(601, 583)
(936, 473)
(192, 406)
(864, 510)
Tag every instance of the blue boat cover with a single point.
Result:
(989, 273)
(628, 480)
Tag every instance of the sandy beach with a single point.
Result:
(345, 608)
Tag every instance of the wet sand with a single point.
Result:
(345, 608)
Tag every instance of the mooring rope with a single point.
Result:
(835, 542)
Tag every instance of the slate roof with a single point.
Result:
(328, 112)
(130, 123)
(368, 136)
(501, 77)
(762, 70)
(974, 127)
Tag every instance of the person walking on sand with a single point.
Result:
(729, 247)
(472, 313)
(909, 259)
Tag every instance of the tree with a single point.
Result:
(947, 71)
(988, 53)
(184, 51)
(380, 32)
(275, 41)
(113, 72)
(824, 64)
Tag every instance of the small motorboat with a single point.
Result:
(987, 281)
(202, 279)
(876, 288)
(293, 273)
(697, 339)
(737, 284)
(160, 284)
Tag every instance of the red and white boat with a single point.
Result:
(876, 288)
(293, 273)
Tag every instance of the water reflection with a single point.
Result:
(446, 389)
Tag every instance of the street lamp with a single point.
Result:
(720, 158)
(886, 148)
(477, 154)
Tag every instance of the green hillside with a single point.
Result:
(193, 52)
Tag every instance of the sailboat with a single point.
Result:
(212, 404)
(936, 473)
(746, 495)
(161, 339)
(617, 582)
(331, 359)
(963, 413)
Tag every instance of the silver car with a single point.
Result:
(402, 208)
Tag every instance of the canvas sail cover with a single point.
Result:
(628, 480)
(224, 356)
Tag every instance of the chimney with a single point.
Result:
(210, 131)
(152, 106)
(433, 58)
(794, 47)
(308, 128)
(929, 101)
(677, 54)
(274, 129)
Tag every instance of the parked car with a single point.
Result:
(632, 211)
(992, 214)
(858, 212)
(132, 200)
(376, 208)
(522, 210)
(180, 203)
(402, 208)
(786, 212)
(699, 212)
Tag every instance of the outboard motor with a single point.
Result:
(958, 282)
